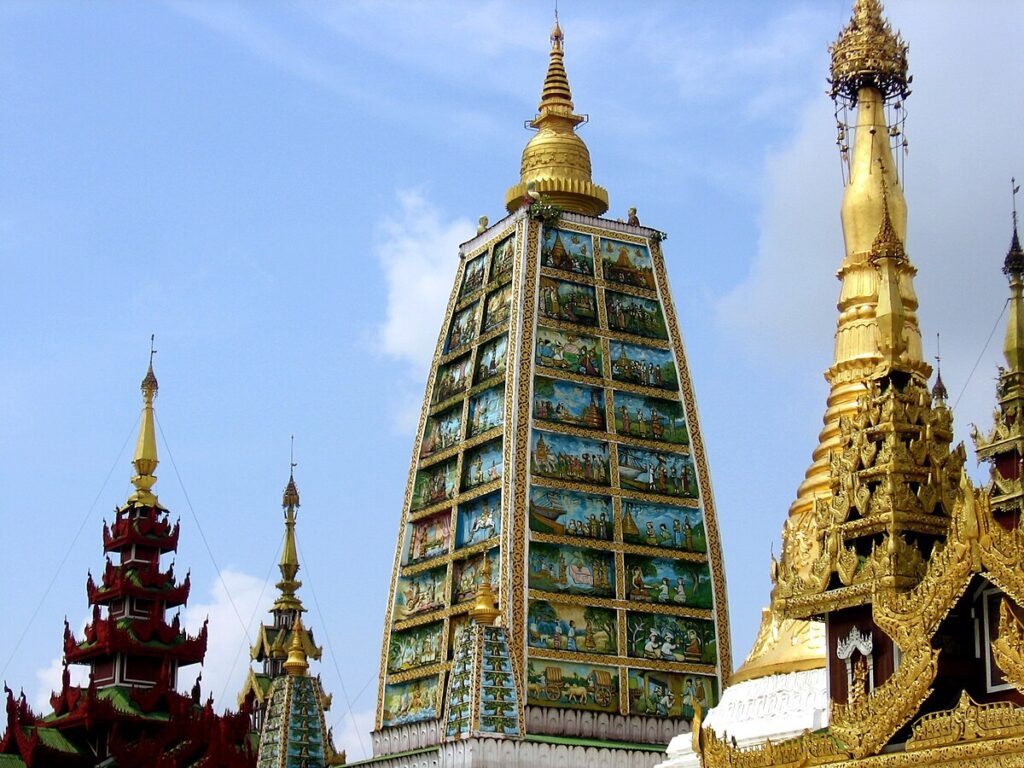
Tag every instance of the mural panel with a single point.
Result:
(463, 329)
(572, 570)
(571, 302)
(633, 314)
(497, 308)
(479, 520)
(644, 366)
(491, 358)
(670, 474)
(565, 402)
(415, 647)
(442, 431)
(581, 686)
(501, 262)
(627, 263)
(563, 627)
(452, 379)
(650, 418)
(466, 576)
(662, 525)
(410, 702)
(569, 352)
(420, 593)
(568, 251)
(671, 638)
(568, 513)
(433, 485)
(430, 537)
(565, 457)
(486, 411)
(473, 278)
(665, 694)
(482, 465)
(673, 582)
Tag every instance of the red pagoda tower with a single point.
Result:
(131, 714)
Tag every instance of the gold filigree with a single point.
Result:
(967, 721)
(868, 720)
(1008, 647)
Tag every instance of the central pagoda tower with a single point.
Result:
(559, 458)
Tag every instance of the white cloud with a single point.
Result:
(418, 252)
(227, 653)
(49, 679)
(352, 733)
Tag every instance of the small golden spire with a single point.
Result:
(485, 607)
(890, 313)
(297, 663)
(556, 162)
(145, 460)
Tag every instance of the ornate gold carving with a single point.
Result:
(1008, 647)
(967, 721)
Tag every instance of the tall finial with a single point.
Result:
(485, 608)
(556, 162)
(145, 460)
(289, 563)
(890, 312)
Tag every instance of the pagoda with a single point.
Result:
(286, 703)
(130, 713)
(559, 470)
(270, 650)
(906, 579)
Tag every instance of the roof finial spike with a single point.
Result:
(939, 391)
(145, 460)
(1013, 265)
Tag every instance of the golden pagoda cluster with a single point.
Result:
(912, 577)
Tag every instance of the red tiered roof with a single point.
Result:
(153, 530)
(141, 637)
(130, 711)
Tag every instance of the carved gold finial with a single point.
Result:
(868, 54)
(1013, 267)
(939, 391)
(485, 608)
(297, 663)
(556, 161)
(145, 460)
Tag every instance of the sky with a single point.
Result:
(277, 191)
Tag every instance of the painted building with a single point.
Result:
(559, 458)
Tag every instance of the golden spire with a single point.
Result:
(485, 607)
(289, 563)
(297, 663)
(869, 69)
(556, 162)
(145, 460)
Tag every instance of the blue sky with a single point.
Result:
(277, 191)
